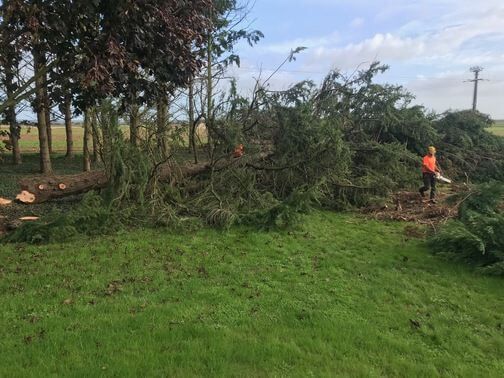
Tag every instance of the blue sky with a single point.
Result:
(429, 44)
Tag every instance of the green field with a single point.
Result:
(498, 128)
(340, 296)
(29, 138)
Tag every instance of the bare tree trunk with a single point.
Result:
(47, 108)
(209, 113)
(39, 61)
(14, 132)
(14, 129)
(87, 135)
(68, 125)
(162, 124)
(134, 115)
(192, 124)
(96, 137)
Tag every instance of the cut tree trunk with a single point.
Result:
(44, 188)
(39, 189)
(5, 202)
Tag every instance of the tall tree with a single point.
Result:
(225, 31)
(10, 57)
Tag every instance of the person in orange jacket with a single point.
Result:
(430, 170)
(239, 151)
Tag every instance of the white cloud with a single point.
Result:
(357, 22)
(286, 46)
(433, 48)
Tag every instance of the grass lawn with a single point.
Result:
(338, 296)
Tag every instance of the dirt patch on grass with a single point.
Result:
(412, 207)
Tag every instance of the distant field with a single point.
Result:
(498, 128)
(29, 138)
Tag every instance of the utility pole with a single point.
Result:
(476, 70)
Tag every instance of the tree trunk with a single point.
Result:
(47, 109)
(96, 137)
(48, 125)
(134, 121)
(40, 189)
(68, 125)
(39, 62)
(15, 134)
(192, 124)
(162, 124)
(209, 113)
(14, 129)
(87, 135)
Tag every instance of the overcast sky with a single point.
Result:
(429, 44)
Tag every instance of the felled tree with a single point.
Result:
(468, 148)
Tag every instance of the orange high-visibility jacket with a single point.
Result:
(429, 164)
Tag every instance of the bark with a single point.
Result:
(96, 137)
(209, 113)
(87, 135)
(192, 124)
(134, 122)
(14, 133)
(47, 109)
(162, 124)
(68, 126)
(39, 62)
(14, 129)
(40, 189)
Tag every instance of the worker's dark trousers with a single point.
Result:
(429, 180)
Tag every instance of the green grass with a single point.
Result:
(339, 296)
(498, 128)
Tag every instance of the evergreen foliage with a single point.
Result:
(477, 236)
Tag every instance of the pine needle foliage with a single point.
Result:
(477, 236)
